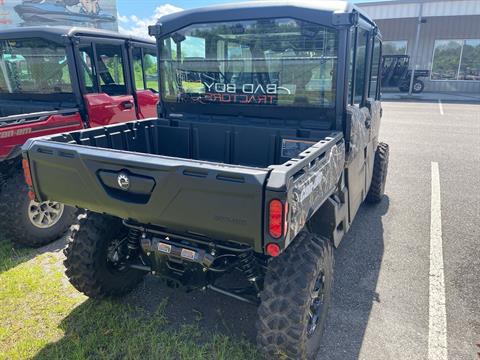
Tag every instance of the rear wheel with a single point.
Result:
(379, 177)
(95, 258)
(28, 222)
(296, 298)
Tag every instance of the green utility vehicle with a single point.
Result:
(266, 145)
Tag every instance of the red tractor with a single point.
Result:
(60, 79)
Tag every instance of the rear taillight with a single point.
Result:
(277, 218)
(27, 173)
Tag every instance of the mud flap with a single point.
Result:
(331, 220)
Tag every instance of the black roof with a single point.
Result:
(68, 31)
(320, 11)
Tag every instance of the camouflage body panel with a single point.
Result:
(306, 193)
(376, 115)
(359, 133)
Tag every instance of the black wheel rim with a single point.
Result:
(317, 305)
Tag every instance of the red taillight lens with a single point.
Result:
(273, 249)
(275, 219)
(27, 173)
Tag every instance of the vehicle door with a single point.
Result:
(145, 79)
(373, 103)
(106, 86)
(359, 109)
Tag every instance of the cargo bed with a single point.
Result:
(190, 177)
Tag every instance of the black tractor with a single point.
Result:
(396, 73)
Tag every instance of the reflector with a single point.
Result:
(165, 248)
(27, 173)
(273, 249)
(188, 254)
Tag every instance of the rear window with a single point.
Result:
(281, 62)
(33, 66)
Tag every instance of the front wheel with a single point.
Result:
(296, 298)
(95, 258)
(418, 86)
(28, 222)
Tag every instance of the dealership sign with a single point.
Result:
(101, 14)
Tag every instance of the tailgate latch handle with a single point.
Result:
(126, 182)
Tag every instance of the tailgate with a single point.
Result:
(220, 201)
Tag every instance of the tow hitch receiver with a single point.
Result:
(175, 261)
(188, 253)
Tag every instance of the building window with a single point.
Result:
(456, 60)
(394, 47)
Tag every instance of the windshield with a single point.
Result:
(280, 62)
(33, 66)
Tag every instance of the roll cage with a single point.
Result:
(71, 38)
(348, 20)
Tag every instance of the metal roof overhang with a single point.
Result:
(411, 8)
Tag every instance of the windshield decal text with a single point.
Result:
(268, 89)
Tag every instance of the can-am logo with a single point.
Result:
(12, 133)
(268, 89)
(123, 181)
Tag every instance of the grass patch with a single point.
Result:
(43, 317)
(11, 256)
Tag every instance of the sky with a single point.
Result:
(134, 16)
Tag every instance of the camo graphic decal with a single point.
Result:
(375, 109)
(307, 192)
(359, 134)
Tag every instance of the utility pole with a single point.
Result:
(415, 49)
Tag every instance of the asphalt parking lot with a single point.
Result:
(381, 296)
(381, 307)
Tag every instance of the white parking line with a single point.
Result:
(437, 329)
(440, 105)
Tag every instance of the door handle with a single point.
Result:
(127, 105)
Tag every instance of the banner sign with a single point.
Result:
(101, 14)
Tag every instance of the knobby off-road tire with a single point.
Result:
(15, 215)
(418, 86)
(87, 265)
(291, 283)
(379, 177)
